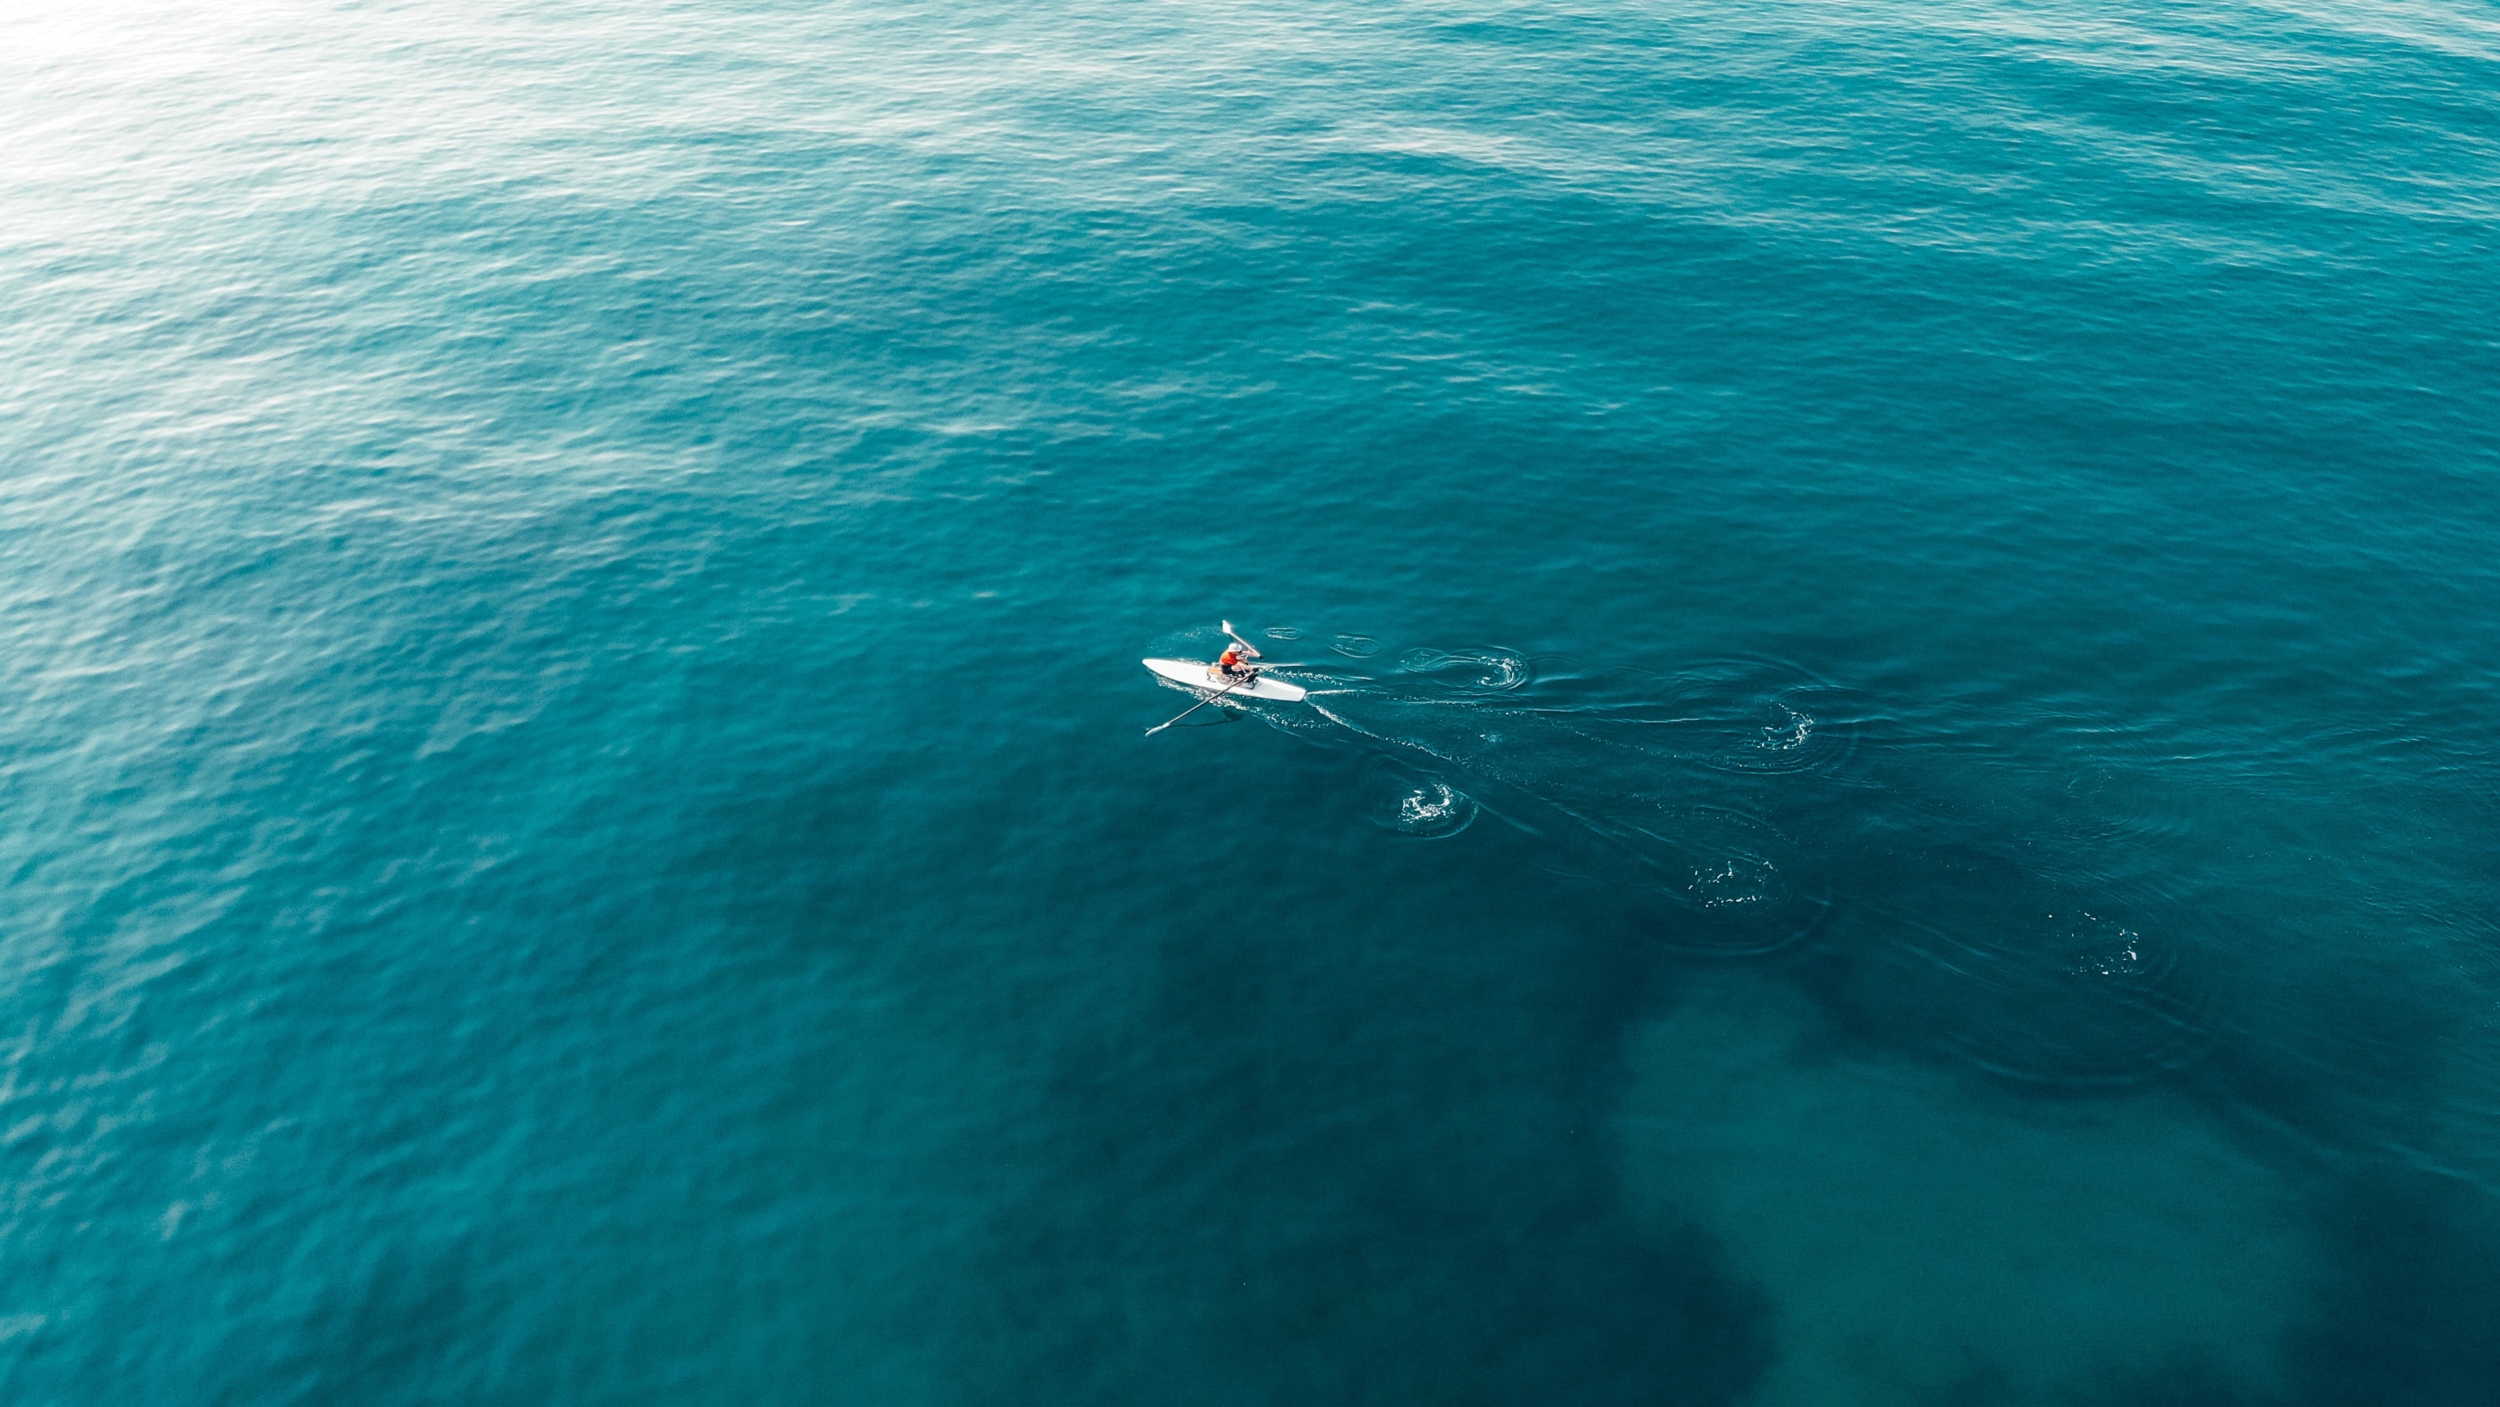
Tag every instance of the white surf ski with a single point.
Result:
(1199, 675)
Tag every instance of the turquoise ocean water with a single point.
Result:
(1898, 805)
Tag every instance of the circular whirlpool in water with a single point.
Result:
(1966, 950)
(1741, 716)
(1410, 803)
(1759, 715)
(2112, 785)
(1708, 880)
(1485, 669)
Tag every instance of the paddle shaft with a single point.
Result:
(1202, 703)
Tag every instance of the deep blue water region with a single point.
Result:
(1897, 804)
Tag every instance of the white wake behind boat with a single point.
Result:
(1198, 674)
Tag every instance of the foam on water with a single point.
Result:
(1411, 804)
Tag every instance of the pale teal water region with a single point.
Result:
(1897, 805)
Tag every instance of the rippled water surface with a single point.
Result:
(1897, 804)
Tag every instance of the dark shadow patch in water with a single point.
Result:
(1954, 948)
(2183, 1380)
(1370, 1165)
(2410, 1306)
(1569, 1304)
(1732, 809)
(2004, 890)
(2332, 1068)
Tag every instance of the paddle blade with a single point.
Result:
(1247, 648)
